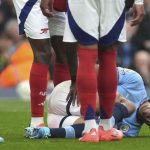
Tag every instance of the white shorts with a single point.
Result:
(58, 121)
(57, 23)
(92, 21)
(33, 23)
(60, 112)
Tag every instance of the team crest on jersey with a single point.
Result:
(124, 128)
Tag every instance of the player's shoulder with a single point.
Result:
(127, 71)
(129, 75)
(124, 70)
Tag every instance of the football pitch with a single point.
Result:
(15, 116)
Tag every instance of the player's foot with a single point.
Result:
(108, 135)
(92, 136)
(29, 130)
(40, 133)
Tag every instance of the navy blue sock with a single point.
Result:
(57, 133)
(78, 129)
(74, 131)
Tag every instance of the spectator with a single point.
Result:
(141, 63)
(19, 56)
(7, 12)
(137, 38)
(141, 39)
(5, 44)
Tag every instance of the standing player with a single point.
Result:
(107, 28)
(47, 7)
(70, 125)
(35, 25)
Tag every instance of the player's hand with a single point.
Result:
(138, 14)
(72, 95)
(47, 7)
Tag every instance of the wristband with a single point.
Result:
(139, 2)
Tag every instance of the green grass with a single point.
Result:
(15, 116)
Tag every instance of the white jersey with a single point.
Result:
(34, 24)
(92, 21)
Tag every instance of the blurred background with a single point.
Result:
(16, 54)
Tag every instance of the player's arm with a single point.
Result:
(127, 103)
(71, 52)
(123, 108)
(138, 12)
(47, 7)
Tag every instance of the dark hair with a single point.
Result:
(140, 115)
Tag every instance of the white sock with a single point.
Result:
(106, 123)
(35, 121)
(89, 124)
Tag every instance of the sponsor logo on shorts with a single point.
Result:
(44, 30)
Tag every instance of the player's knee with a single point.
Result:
(41, 50)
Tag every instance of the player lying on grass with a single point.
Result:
(64, 120)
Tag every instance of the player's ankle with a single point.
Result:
(106, 124)
(37, 122)
(90, 124)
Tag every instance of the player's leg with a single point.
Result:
(71, 52)
(39, 78)
(59, 127)
(35, 26)
(56, 26)
(61, 69)
(69, 132)
(107, 83)
(87, 54)
(111, 31)
(60, 121)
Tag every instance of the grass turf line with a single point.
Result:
(15, 116)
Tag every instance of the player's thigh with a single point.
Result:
(31, 20)
(83, 20)
(59, 48)
(57, 121)
(112, 21)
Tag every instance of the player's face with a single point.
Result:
(145, 112)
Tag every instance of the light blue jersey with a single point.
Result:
(131, 86)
